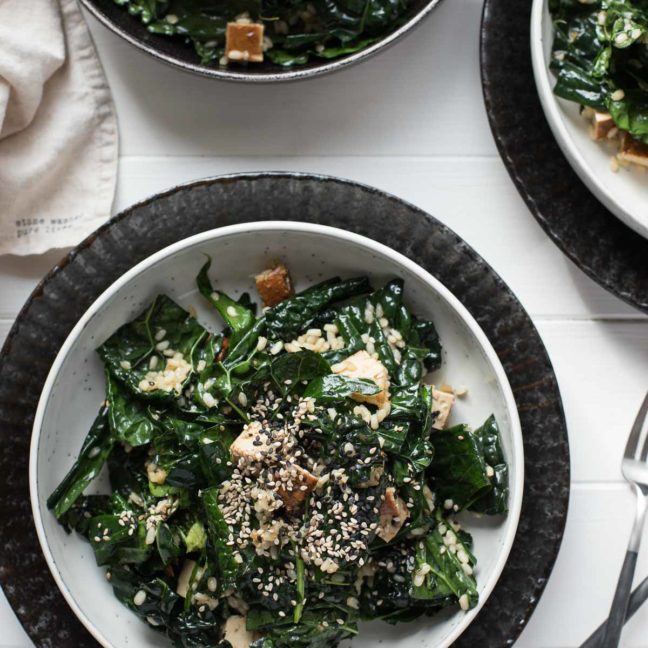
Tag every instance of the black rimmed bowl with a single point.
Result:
(178, 53)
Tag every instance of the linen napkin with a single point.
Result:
(58, 130)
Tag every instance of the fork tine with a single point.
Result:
(644, 449)
(635, 434)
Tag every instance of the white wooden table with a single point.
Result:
(412, 122)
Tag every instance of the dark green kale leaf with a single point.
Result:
(410, 402)
(131, 421)
(286, 59)
(114, 542)
(161, 602)
(391, 581)
(495, 501)
(336, 387)
(86, 507)
(96, 448)
(288, 370)
(128, 352)
(310, 632)
(447, 579)
(290, 318)
(458, 471)
(168, 542)
(238, 316)
(229, 570)
(393, 434)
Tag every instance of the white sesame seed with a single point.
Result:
(139, 598)
(463, 602)
(159, 336)
(231, 311)
(617, 95)
(262, 342)
(162, 346)
(348, 449)
(124, 364)
(209, 400)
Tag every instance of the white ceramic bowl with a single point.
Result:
(624, 193)
(75, 388)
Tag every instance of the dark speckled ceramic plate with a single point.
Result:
(70, 288)
(603, 247)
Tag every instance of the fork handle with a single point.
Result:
(638, 598)
(620, 602)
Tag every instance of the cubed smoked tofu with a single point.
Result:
(274, 285)
(362, 365)
(236, 633)
(244, 42)
(442, 403)
(633, 150)
(602, 124)
(295, 496)
(393, 514)
(249, 445)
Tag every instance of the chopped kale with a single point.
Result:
(600, 59)
(299, 31)
(251, 485)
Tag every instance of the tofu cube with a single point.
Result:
(246, 446)
(295, 496)
(633, 150)
(362, 365)
(602, 124)
(274, 285)
(244, 42)
(393, 514)
(442, 403)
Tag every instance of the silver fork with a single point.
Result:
(635, 471)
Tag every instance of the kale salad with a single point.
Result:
(600, 60)
(274, 484)
(285, 32)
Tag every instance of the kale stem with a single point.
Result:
(299, 608)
